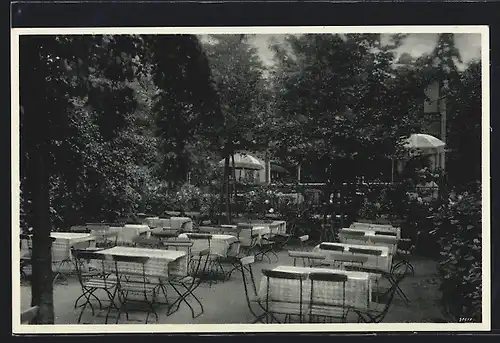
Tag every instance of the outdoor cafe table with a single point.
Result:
(276, 227)
(131, 231)
(104, 233)
(61, 248)
(370, 238)
(357, 292)
(220, 244)
(185, 223)
(382, 262)
(178, 223)
(376, 227)
(272, 227)
(257, 229)
(152, 221)
(161, 263)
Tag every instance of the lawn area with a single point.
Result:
(225, 303)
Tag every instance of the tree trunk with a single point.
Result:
(41, 282)
(328, 190)
(234, 186)
(228, 190)
(222, 192)
(267, 178)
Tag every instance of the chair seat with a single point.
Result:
(181, 280)
(138, 287)
(253, 298)
(287, 308)
(279, 237)
(100, 283)
(327, 311)
(375, 307)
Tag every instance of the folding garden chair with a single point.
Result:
(190, 282)
(386, 241)
(331, 247)
(378, 310)
(340, 261)
(251, 294)
(403, 254)
(391, 277)
(147, 242)
(212, 230)
(329, 303)
(161, 233)
(248, 238)
(370, 252)
(180, 244)
(280, 240)
(79, 229)
(133, 280)
(354, 237)
(303, 239)
(367, 251)
(266, 248)
(103, 235)
(232, 258)
(102, 278)
(309, 259)
(386, 233)
(214, 264)
(273, 300)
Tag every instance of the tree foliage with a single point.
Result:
(241, 88)
(88, 146)
(342, 103)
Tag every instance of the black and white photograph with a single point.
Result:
(330, 178)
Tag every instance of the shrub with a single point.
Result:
(458, 231)
(209, 205)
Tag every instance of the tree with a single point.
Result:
(238, 74)
(343, 104)
(87, 149)
(39, 82)
(185, 106)
(74, 102)
(464, 129)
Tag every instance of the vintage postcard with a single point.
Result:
(250, 179)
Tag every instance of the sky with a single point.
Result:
(415, 44)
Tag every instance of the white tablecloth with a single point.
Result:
(281, 226)
(357, 293)
(152, 221)
(256, 229)
(131, 231)
(61, 247)
(162, 263)
(382, 262)
(222, 245)
(376, 227)
(275, 227)
(185, 223)
(370, 238)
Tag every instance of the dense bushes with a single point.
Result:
(458, 231)
(448, 229)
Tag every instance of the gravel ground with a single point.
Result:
(225, 302)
